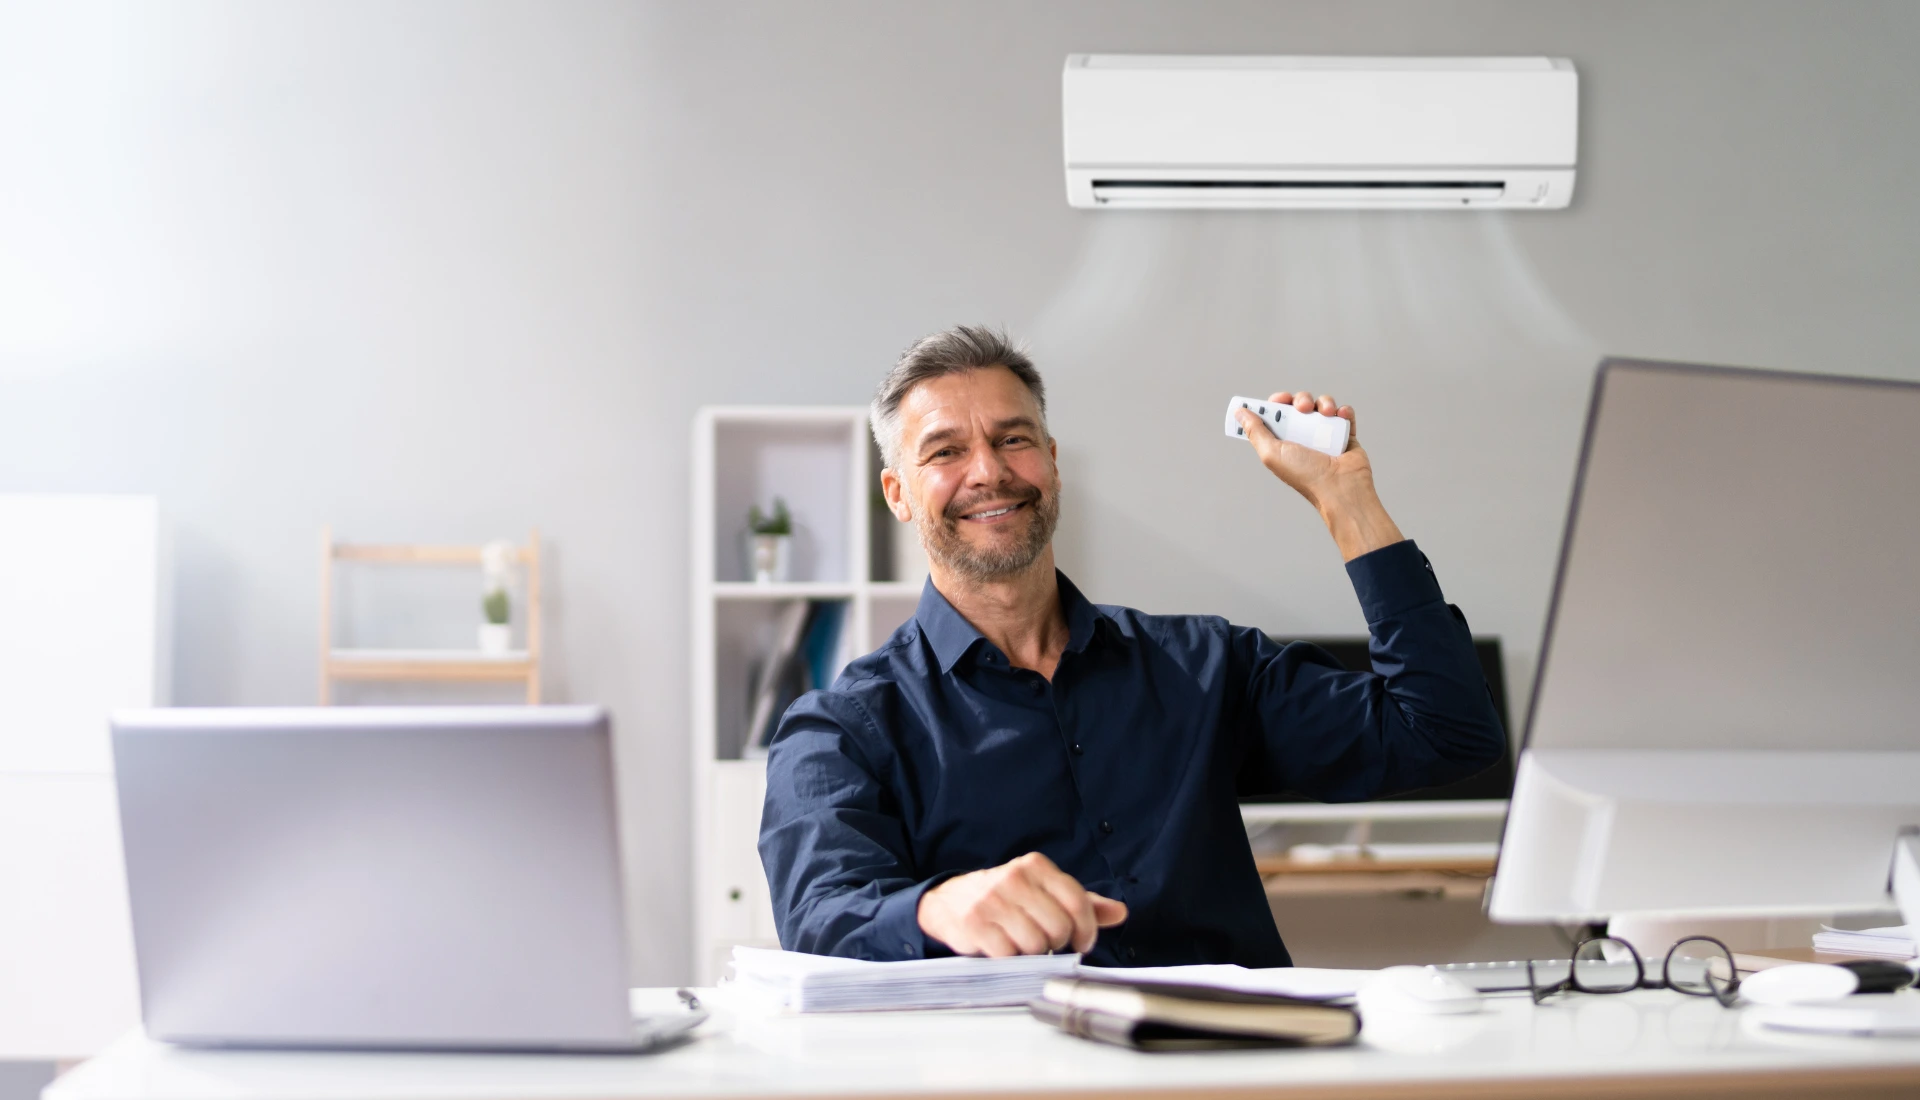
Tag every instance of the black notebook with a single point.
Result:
(1160, 1016)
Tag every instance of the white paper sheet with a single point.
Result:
(1291, 981)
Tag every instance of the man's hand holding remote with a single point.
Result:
(1341, 488)
(1026, 906)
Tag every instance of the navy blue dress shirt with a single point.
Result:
(931, 757)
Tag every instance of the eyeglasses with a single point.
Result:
(1699, 966)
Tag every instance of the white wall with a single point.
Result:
(442, 271)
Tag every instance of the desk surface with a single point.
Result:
(1287, 865)
(1644, 1044)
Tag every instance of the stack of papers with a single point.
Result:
(818, 983)
(1879, 943)
(797, 982)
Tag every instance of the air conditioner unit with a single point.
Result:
(1430, 133)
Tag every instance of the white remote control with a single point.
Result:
(1326, 434)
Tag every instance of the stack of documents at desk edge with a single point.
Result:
(800, 982)
(1879, 943)
(1165, 1016)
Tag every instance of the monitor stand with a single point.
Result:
(1904, 879)
(1653, 935)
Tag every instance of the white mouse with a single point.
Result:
(1799, 984)
(1418, 990)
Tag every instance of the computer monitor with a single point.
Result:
(1726, 718)
(1484, 792)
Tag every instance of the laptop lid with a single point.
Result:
(403, 877)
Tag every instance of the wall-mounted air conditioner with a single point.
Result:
(1431, 133)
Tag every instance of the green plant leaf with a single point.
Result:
(496, 608)
(779, 523)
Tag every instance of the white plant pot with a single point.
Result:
(496, 638)
(769, 558)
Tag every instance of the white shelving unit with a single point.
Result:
(821, 461)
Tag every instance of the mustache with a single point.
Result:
(1013, 494)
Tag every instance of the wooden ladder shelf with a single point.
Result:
(471, 665)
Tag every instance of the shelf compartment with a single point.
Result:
(810, 464)
(366, 663)
(889, 609)
(744, 635)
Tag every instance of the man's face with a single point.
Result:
(976, 473)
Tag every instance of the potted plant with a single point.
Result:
(496, 632)
(769, 543)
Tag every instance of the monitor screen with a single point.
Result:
(1723, 717)
(1495, 782)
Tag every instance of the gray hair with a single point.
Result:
(955, 351)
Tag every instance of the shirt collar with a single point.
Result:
(952, 636)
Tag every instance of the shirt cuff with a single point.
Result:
(896, 925)
(1392, 580)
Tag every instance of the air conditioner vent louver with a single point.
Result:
(1313, 185)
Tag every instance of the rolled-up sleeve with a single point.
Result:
(1422, 717)
(832, 841)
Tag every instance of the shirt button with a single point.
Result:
(1133, 953)
(1078, 750)
(1106, 827)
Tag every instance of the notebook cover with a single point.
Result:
(1140, 1035)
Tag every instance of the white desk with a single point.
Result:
(1643, 1044)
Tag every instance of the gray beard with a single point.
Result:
(940, 535)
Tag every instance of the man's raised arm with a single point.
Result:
(1424, 716)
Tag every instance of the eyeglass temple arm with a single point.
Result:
(1904, 881)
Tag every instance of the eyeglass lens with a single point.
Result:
(1603, 965)
(1703, 967)
(1606, 965)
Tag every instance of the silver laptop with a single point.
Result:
(378, 877)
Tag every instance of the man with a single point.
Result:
(1018, 771)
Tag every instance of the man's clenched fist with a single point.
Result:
(1024, 907)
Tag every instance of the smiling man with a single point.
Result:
(1018, 770)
